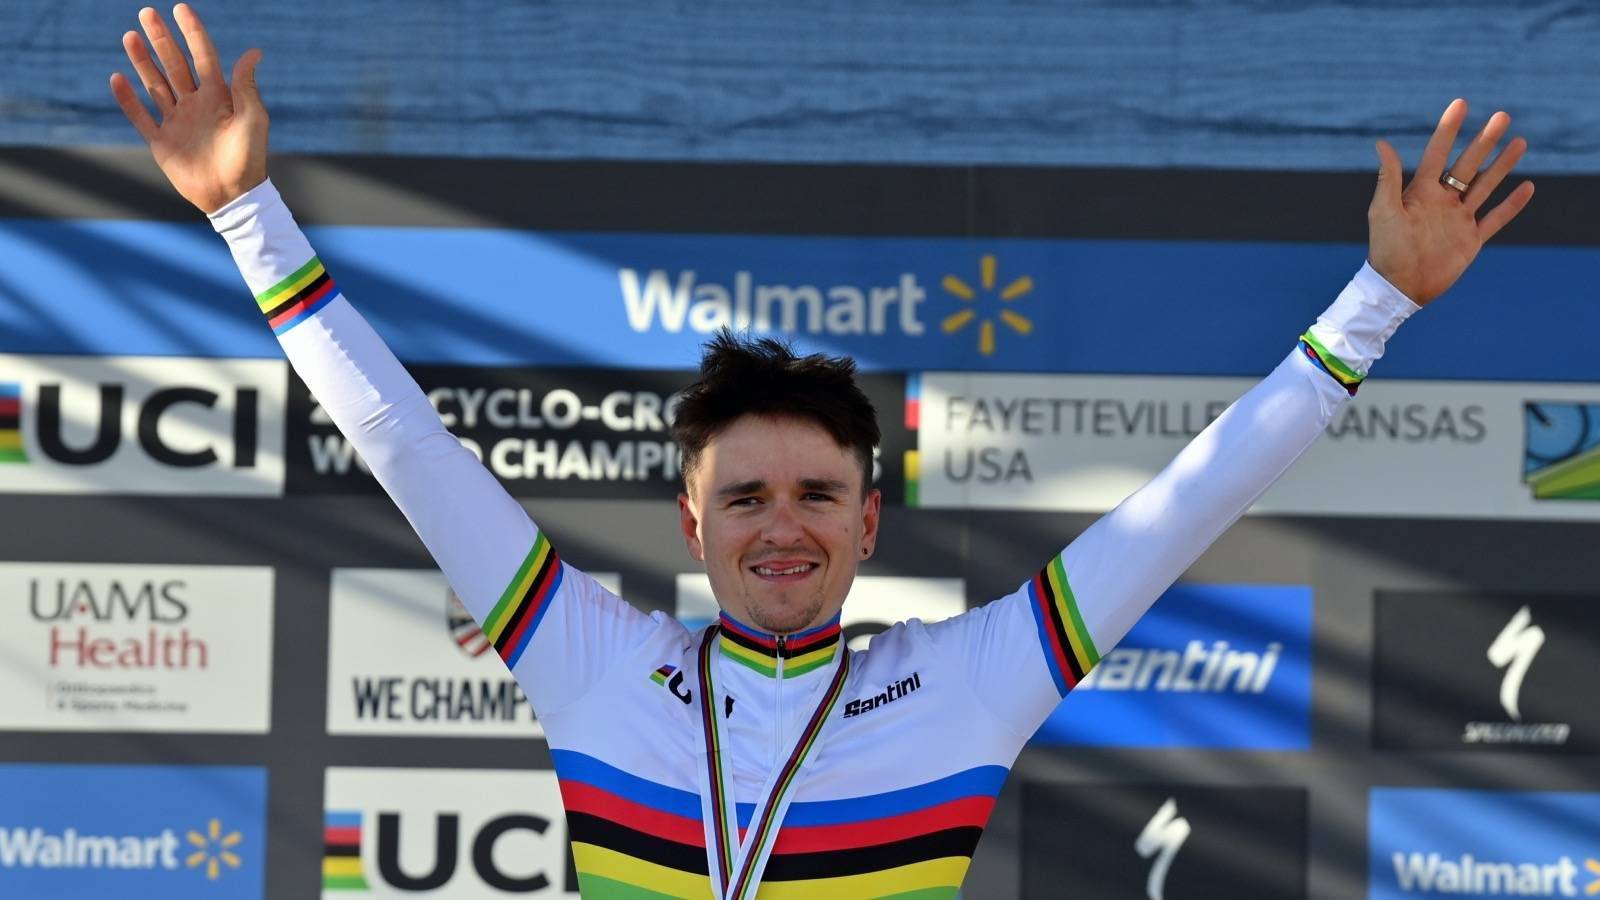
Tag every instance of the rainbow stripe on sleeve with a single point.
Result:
(1327, 362)
(1068, 648)
(514, 619)
(298, 297)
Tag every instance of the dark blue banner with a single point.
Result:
(516, 298)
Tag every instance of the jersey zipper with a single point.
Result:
(777, 719)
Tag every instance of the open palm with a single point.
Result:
(211, 139)
(1423, 237)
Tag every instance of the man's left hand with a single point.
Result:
(1422, 238)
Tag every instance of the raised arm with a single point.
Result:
(556, 629)
(1085, 600)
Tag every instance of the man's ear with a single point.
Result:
(689, 523)
(871, 513)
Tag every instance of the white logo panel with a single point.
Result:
(142, 425)
(1083, 443)
(462, 834)
(405, 657)
(91, 647)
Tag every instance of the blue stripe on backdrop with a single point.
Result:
(501, 297)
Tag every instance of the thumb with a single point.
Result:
(245, 93)
(1386, 197)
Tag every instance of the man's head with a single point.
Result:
(777, 469)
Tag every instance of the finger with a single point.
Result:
(1466, 165)
(1501, 215)
(138, 116)
(1490, 178)
(1438, 150)
(168, 51)
(199, 42)
(155, 83)
(245, 93)
(1386, 197)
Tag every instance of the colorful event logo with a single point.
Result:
(132, 832)
(1226, 666)
(1498, 844)
(1562, 457)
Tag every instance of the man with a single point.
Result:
(759, 756)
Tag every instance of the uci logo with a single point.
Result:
(345, 870)
(181, 427)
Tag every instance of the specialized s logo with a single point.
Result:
(1162, 837)
(1514, 650)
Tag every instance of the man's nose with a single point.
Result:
(782, 527)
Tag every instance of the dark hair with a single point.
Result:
(742, 375)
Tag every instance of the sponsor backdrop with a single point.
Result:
(203, 593)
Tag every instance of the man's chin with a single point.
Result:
(782, 618)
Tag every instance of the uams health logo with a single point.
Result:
(210, 851)
(1562, 457)
(1514, 650)
(661, 300)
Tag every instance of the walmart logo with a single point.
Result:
(979, 305)
(69, 848)
(214, 849)
(675, 302)
(1561, 459)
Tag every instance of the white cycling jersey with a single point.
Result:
(851, 774)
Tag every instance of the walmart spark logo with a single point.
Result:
(214, 850)
(1593, 865)
(987, 270)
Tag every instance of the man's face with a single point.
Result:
(776, 511)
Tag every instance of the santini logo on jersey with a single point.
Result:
(1196, 669)
(884, 697)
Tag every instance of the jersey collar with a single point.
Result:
(801, 652)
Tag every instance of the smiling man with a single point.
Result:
(758, 756)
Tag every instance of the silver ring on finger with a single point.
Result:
(1450, 181)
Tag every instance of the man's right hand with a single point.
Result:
(211, 141)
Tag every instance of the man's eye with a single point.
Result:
(745, 501)
(817, 495)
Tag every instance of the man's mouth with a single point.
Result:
(783, 570)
